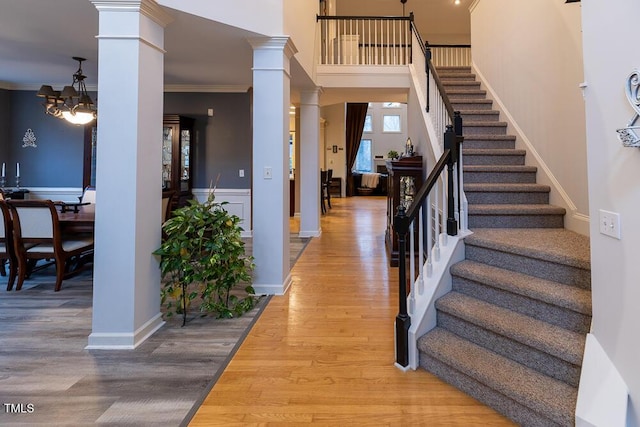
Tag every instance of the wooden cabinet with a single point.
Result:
(405, 178)
(177, 157)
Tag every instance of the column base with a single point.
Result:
(124, 340)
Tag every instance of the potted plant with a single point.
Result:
(202, 256)
(392, 154)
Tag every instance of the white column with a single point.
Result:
(271, 98)
(126, 285)
(310, 163)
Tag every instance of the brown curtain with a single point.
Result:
(356, 114)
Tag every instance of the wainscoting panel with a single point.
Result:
(238, 200)
(65, 194)
(238, 203)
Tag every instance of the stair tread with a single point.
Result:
(507, 187)
(545, 395)
(515, 209)
(556, 245)
(499, 168)
(485, 112)
(490, 137)
(469, 123)
(550, 292)
(493, 152)
(554, 340)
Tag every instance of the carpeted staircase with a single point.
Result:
(512, 331)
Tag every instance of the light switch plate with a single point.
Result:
(610, 224)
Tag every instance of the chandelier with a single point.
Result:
(73, 103)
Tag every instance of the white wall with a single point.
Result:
(300, 24)
(265, 17)
(530, 54)
(334, 116)
(610, 55)
(382, 142)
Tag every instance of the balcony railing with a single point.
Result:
(365, 40)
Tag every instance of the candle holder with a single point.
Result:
(3, 182)
(17, 182)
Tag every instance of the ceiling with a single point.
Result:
(38, 39)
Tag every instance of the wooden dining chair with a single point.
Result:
(88, 195)
(37, 236)
(7, 253)
(167, 200)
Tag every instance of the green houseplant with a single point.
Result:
(392, 154)
(202, 256)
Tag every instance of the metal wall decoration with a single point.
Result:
(629, 136)
(29, 139)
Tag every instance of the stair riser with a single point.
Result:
(543, 269)
(461, 106)
(559, 316)
(487, 159)
(488, 129)
(477, 117)
(466, 94)
(449, 85)
(459, 77)
(518, 352)
(506, 198)
(500, 177)
(516, 221)
(453, 70)
(490, 397)
(489, 143)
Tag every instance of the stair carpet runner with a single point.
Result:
(511, 332)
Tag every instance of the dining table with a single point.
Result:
(77, 217)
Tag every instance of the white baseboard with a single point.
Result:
(273, 289)
(310, 233)
(124, 340)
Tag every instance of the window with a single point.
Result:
(364, 159)
(391, 123)
(368, 124)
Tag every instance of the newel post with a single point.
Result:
(451, 144)
(403, 321)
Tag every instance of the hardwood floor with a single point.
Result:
(324, 353)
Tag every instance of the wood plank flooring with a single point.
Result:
(323, 353)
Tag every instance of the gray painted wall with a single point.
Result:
(223, 143)
(57, 159)
(5, 120)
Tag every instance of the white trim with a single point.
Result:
(207, 88)
(310, 233)
(273, 289)
(575, 221)
(603, 395)
(65, 194)
(423, 318)
(124, 340)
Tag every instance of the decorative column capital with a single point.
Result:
(282, 43)
(148, 8)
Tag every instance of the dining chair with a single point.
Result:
(167, 199)
(88, 195)
(327, 186)
(323, 179)
(37, 236)
(7, 254)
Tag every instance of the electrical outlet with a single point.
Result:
(268, 172)
(610, 224)
(241, 173)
